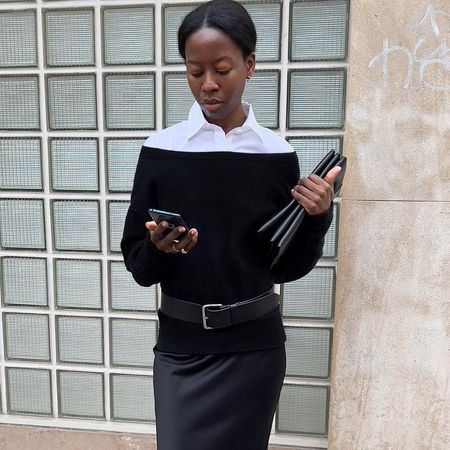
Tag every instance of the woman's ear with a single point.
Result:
(250, 62)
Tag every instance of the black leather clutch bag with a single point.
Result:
(281, 228)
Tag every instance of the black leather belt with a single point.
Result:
(217, 315)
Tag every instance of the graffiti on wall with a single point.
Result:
(429, 34)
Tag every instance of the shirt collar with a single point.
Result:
(196, 121)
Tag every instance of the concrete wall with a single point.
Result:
(390, 372)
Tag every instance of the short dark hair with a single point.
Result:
(227, 16)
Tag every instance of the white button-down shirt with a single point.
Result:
(196, 134)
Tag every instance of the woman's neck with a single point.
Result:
(233, 120)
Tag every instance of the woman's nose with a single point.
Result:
(209, 84)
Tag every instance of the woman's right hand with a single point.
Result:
(170, 243)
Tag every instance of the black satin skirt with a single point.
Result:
(217, 402)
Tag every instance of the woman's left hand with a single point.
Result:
(314, 193)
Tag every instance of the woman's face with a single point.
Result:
(216, 73)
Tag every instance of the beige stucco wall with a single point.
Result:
(390, 372)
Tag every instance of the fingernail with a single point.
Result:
(164, 224)
(181, 230)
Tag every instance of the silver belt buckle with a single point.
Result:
(205, 317)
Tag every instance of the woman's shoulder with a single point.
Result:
(273, 143)
(169, 138)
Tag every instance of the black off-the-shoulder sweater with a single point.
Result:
(226, 196)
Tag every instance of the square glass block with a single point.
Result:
(121, 160)
(310, 151)
(22, 224)
(178, 98)
(310, 297)
(27, 336)
(267, 19)
(303, 410)
(116, 220)
(81, 394)
(329, 247)
(318, 30)
(132, 398)
(78, 283)
(74, 164)
(316, 98)
(69, 37)
(265, 106)
(29, 391)
(128, 35)
(125, 294)
(308, 352)
(72, 102)
(18, 46)
(130, 101)
(19, 97)
(132, 342)
(172, 18)
(80, 339)
(76, 225)
(24, 281)
(20, 164)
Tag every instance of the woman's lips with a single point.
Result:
(212, 106)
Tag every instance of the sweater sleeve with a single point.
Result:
(305, 249)
(146, 263)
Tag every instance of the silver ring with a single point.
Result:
(174, 249)
(183, 251)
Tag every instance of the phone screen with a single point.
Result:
(173, 219)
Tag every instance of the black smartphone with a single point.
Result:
(173, 219)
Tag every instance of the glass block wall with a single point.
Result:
(82, 84)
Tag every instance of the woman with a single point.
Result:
(219, 369)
